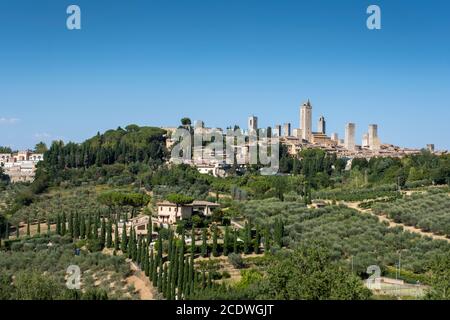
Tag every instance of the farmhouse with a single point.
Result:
(140, 225)
(170, 213)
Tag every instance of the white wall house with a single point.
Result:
(20, 166)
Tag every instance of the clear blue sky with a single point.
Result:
(152, 62)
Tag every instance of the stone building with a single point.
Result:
(287, 130)
(277, 131)
(170, 213)
(321, 126)
(374, 142)
(306, 120)
(252, 124)
(20, 166)
(349, 141)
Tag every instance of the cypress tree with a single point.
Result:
(160, 247)
(266, 240)
(165, 284)
(174, 280)
(63, 227)
(82, 227)
(102, 239)
(155, 271)
(95, 226)
(169, 281)
(150, 266)
(144, 256)
(204, 244)
(109, 241)
(70, 225)
(38, 226)
(170, 242)
(203, 279)
(98, 219)
(146, 262)
(48, 226)
(138, 251)
(279, 232)
(58, 224)
(170, 277)
(215, 250)
(130, 244)
(124, 241)
(180, 269)
(135, 246)
(226, 241)
(194, 284)
(185, 288)
(6, 230)
(191, 277)
(76, 226)
(89, 227)
(116, 237)
(193, 247)
(209, 279)
(160, 276)
(17, 231)
(247, 238)
(257, 240)
(235, 242)
(183, 244)
(28, 227)
(149, 232)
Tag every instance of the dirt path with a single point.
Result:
(141, 283)
(393, 224)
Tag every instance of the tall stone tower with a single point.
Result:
(277, 131)
(374, 142)
(321, 127)
(365, 140)
(252, 124)
(306, 120)
(335, 137)
(287, 129)
(349, 141)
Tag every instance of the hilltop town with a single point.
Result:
(21, 166)
(295, 140)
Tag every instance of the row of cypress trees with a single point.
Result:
(95, 227)
(171, 269)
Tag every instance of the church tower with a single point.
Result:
(306, 120)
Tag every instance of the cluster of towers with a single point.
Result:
(305, 132)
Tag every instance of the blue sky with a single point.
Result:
(152, 62)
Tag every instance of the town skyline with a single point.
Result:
(220, 63)
(316, 119)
